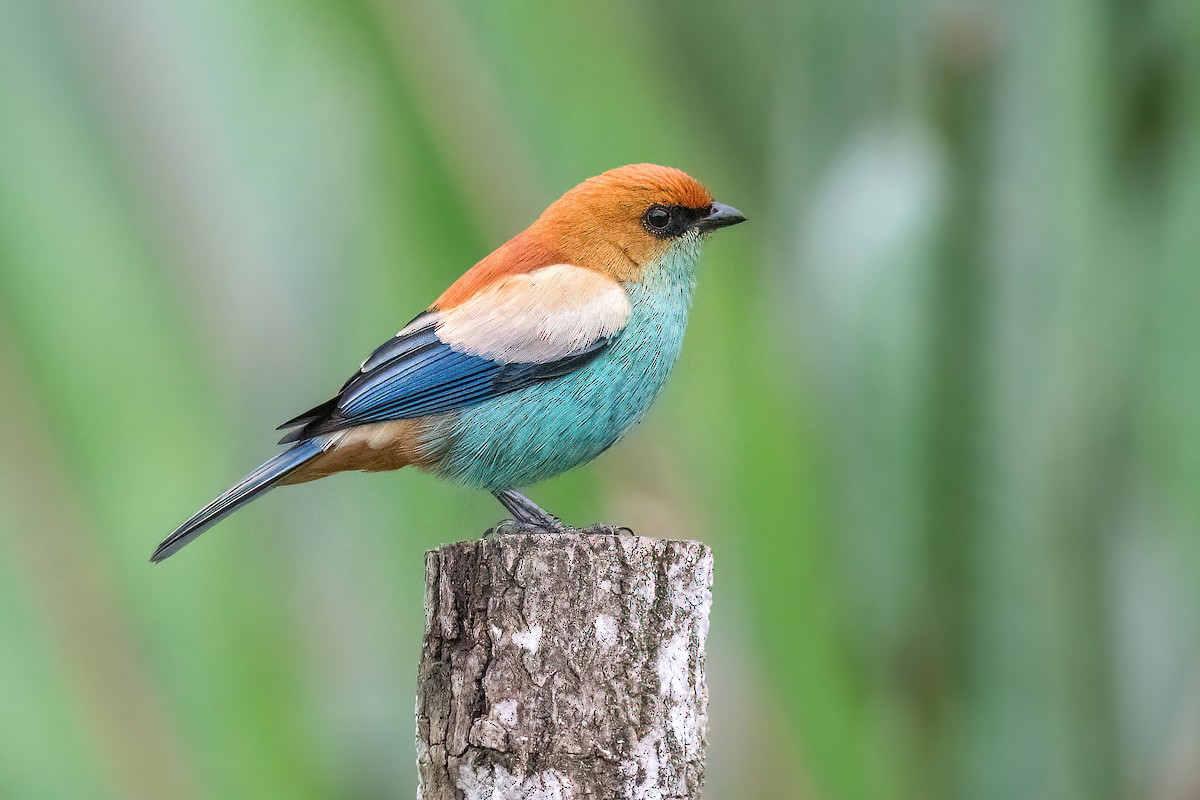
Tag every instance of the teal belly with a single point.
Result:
(530, 435)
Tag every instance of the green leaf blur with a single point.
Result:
(937, 412)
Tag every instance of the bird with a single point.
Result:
(535, 361)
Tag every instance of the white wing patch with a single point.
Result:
(537, 317)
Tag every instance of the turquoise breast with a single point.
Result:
(530, 435)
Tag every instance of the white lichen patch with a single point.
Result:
(643, 589)
(671, 666)
(691, 585)
(676, 689)
(641, 772)
(505, 712)
(497, 783)
(530, 639)
(606, 631)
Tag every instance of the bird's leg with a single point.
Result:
(527, 512)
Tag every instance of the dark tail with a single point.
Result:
(248, 488)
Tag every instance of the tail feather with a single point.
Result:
(248, 488)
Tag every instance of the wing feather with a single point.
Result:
(525, 329)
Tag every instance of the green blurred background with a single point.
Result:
(937, 412)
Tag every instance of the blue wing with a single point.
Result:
(415, 374)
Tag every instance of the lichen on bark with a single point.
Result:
(560, 666)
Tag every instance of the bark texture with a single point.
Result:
(564, 666)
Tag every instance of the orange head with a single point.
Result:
(623, 219)
(616, 223)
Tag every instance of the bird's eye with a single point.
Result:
(657, 219)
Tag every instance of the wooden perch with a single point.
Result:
(564, 666)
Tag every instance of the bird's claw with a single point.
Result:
(551, 525)
(601, 529)
(502, 528)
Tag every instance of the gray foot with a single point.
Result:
(527, 513)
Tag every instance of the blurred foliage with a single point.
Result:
(937, 412)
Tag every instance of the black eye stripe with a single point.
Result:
(667, 222)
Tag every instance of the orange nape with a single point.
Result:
(596, 225)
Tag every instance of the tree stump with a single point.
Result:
(564, 666)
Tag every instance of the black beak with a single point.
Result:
(721, 216)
